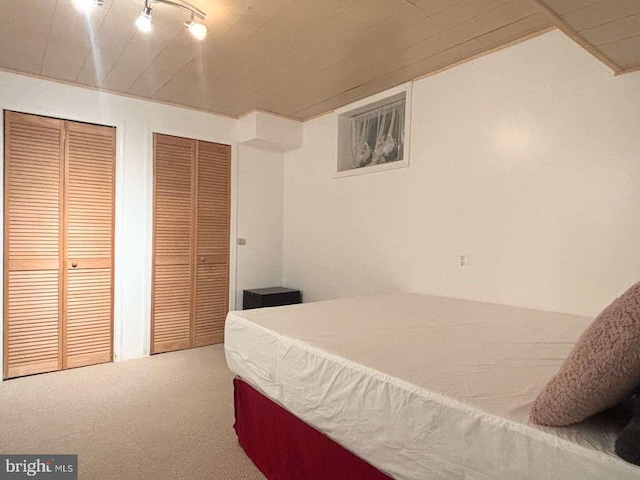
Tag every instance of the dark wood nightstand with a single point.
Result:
(269, 297)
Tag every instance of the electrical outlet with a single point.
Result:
(462, 260)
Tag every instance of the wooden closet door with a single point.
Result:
(90, 163)
(213, 222)
(33, 205)
(171, 305)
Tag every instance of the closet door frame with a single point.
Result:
(116, 262)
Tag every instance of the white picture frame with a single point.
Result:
(345, 161)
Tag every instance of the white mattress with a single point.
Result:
(425, 387)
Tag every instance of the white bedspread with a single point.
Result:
(425, 387)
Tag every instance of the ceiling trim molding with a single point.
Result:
(579, 39)
(113, 92)
(633, 68)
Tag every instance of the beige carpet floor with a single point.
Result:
(168, 416)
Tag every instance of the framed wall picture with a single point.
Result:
(373, 134)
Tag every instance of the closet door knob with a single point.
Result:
(74, 264)
(201, 259)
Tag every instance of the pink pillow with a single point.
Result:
(602, 368)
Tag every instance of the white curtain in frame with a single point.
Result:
(377, 136)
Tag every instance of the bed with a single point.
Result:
(421, 387)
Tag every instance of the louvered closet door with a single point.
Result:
(212, 262)
(171, 309)
(33, 199)
(89, 265)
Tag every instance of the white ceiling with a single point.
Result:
(297, 58)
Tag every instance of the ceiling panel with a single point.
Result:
(142, 50)
(23, 43)
(70, 27)
(601, 13)
(298, 58)
(351, 31)
(242, 25)
(433, 63)
(562, 7)
(365, 54)
(613, 31)
(187, 77)
(443, 31)
(182, 50)
(111, 40)
(625, 53)
(234, 73)
(165, 66)
(609, 29)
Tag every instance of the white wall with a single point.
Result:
(526, 160)
(136, 120)
(260, 177)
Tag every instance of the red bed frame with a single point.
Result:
(283, 447)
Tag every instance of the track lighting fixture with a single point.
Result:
(145, 21)
(198, 30)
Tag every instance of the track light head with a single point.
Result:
(144, 21)
(198, 30)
